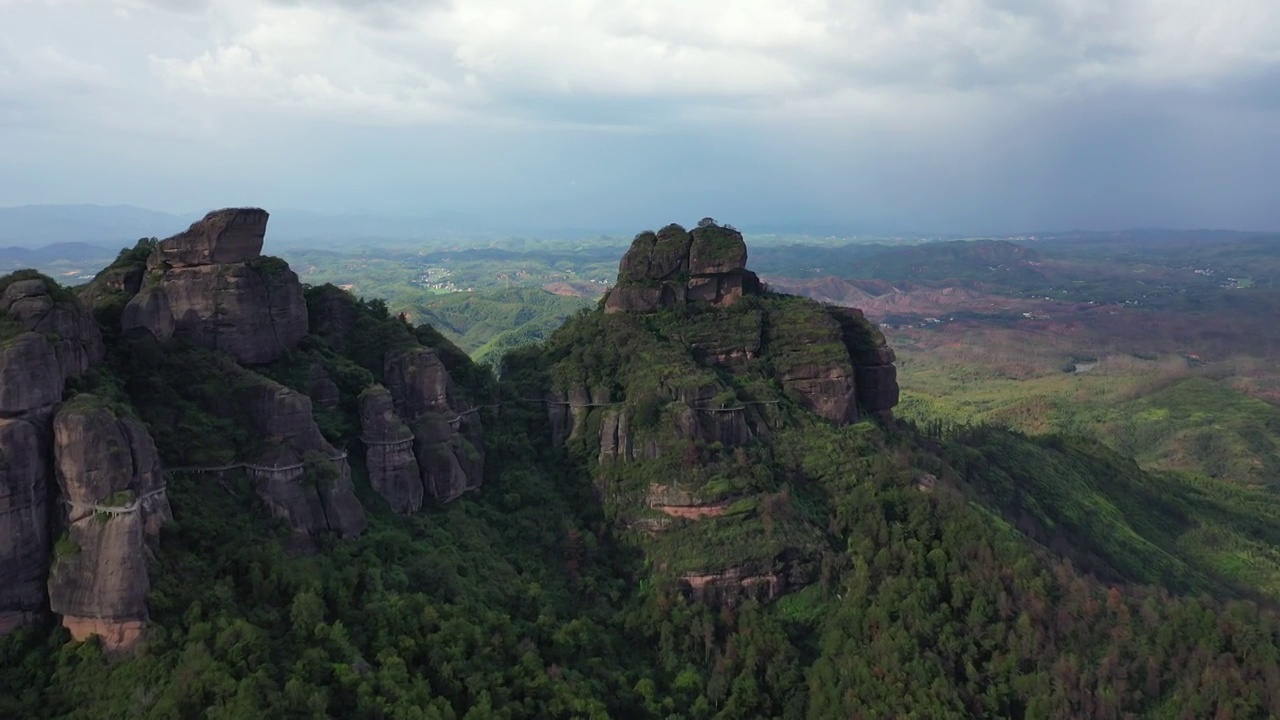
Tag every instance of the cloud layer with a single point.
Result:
(933, 111)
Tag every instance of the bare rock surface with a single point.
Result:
(24, 519)
(109, 473)
(222, 293)
(392, 466)
(59, 316)
(230, 235)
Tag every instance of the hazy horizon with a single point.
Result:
(40, 225)
(938, 116)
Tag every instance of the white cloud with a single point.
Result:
(430, 61)
(494, 61)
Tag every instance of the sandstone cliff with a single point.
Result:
(303, 479)
(24, 521)
(46, 338)
(38, 305)
(420, 416)
(216, 290)
(114, 502)
(393, 468)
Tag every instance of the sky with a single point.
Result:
(888, 115)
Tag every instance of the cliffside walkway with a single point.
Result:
(455, 420)
(243, 466)
(572, 406)
(114, 510)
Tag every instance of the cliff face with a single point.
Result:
(114, 503)
(29, 375)
(46, 338)
(393, 468)
(219, 292)
(420, 417)
(302, 479)
(24, 521)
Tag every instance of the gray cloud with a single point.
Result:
(934, 114)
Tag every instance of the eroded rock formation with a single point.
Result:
(673, 266)
(389, 458)
(876, 378)
(221, 292)
(72, 331)
(420, 415)
(671, 410)
(302, 478)
(114, 503)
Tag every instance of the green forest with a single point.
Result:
(922, 570)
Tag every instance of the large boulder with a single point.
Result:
(109, 473)
(321, 388)
(450, 454)
(877, 378)
(828, 390)
(716, 250)
(230, 235)
(448, 436)
(149, 310)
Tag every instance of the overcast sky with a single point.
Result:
(930, 115)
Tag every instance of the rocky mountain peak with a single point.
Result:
(230, 235)
(674, 266)
(212, 286)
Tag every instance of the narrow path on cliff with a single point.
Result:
(114, 509)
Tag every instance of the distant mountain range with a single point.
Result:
(116, 226)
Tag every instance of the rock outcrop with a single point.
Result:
(301, 478)
(233, 235)
(876, 378)
(30, 378)
(112, 488)
(673, 266)
(149, 309)
(41, 307)
(221, 292)
(389, 457)
(448, 439)
(321, 388)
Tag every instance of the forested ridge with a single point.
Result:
(971, 573)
